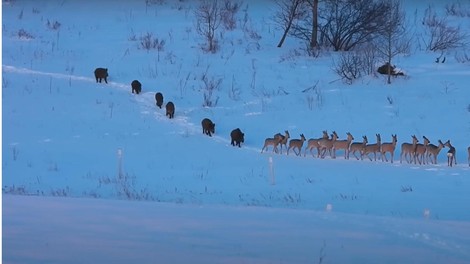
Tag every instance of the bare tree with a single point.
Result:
(208, 20)
(286, 14)
(306, 27)
(394, 39)
(228, 12)
(442, 36)
(348, 23)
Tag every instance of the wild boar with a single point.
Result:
(238, 137)
(208, 127)
(101, 73)
(170, 110)
(136, 87)
(159, 99)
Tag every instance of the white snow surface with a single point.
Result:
(92, 173)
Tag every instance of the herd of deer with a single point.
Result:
(425, 153)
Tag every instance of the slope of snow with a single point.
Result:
(62, 133)
(58, 230)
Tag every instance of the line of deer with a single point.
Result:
(296, 144)
(414, 152)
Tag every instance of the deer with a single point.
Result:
(313, 143)
(433, 150)
(271, 142)
(373, 148)
(283, 138)
(343, 144)
(421, 151)
(358, 146)
(296, 143)
(327, 144)
(388, 147)
(451, 158)
(408, 148)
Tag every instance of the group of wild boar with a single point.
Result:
(136, 87)
(412, 152)
(208, 127)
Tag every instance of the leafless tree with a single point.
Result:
(287, 12)
(306, 27)
(208, 20)
(228, 12)
(348, 23)
(394, 39)
(441, 36)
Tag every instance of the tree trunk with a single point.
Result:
(284, 35)
(314, 37)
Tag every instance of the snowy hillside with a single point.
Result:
(66, 135)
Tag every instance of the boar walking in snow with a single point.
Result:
(100, 74)
(208, 127)
(238, 137)
(136, 87)
(159, 99)
(170, 110)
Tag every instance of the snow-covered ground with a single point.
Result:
(207, 200)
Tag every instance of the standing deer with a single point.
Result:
(283, 138)
(408, 149)
(389, 147)
(296, 143)
(433, 150)
(343, 144)
(327, 144)
(271, 142)
(373, 148)
(313, 143)
(421, 151)
(358, 146)
(450, 154)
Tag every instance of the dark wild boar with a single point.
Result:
(170, 110)
(101, 73)
(136, 87)
(208, 127)
(159, 99)
(237, 137)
